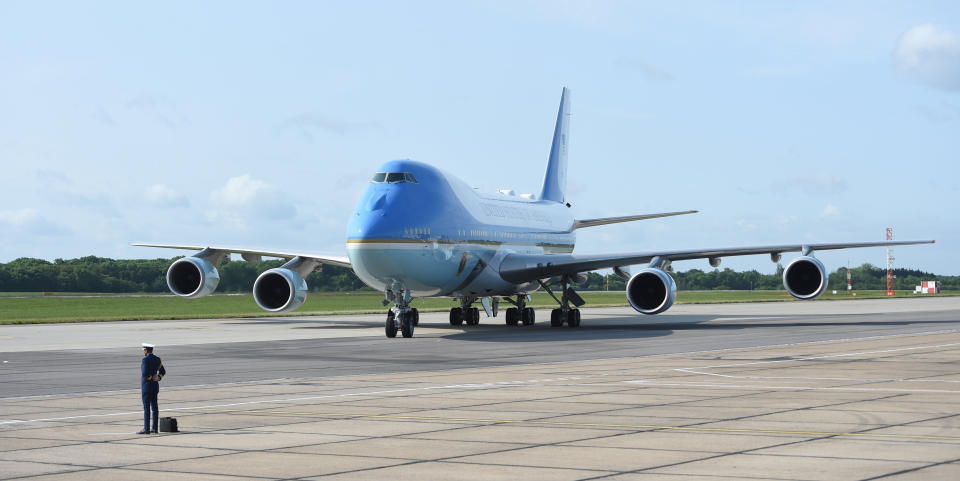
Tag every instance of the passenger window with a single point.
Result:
(379, 177)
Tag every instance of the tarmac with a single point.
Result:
(851, 390)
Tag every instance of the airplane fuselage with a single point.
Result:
(424, 232)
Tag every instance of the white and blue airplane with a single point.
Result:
(421, 232)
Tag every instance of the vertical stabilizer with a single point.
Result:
(555, 180)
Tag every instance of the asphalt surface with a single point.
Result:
(83, 358)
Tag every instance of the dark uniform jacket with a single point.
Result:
(149, 366)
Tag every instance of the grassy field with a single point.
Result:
(29, 308)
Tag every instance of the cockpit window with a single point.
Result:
(394, 177)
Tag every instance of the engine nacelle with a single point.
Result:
(805, 278)
(192, 277)
(279, 290)
(651, 291)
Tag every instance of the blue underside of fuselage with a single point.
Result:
(421, 239)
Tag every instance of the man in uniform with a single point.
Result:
(151, 370)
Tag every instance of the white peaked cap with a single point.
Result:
(149, 346)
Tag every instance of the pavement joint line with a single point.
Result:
(813, 358)
(605, 425)
(753, 450)
(919, 468)
(476, 386)
(401, 373)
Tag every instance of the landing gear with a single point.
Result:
(401, 317)
(407, 324)
(465, 313)
(520, 314)
(512, 316)
(391, 324)
(528, 316)
(456, 316)
(565, 314)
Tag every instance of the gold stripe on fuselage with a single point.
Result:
(568, 247)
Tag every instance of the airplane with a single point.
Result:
(421, 232)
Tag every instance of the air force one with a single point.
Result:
(421, 232)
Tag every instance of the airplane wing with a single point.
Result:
(527, 268)
(580, 223)
(252, 254)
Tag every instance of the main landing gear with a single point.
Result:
(565, 314)
(465, 313)
(521, 314)
(401, 317)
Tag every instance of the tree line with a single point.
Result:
(98, 274)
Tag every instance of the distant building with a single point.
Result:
(927, 287)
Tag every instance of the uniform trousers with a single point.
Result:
(148, 393)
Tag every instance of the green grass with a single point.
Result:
(60, 308)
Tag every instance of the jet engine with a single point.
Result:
(651, 291)
(805, 278)
(279, 290)
(192, 277)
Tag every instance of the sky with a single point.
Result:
(258, 124)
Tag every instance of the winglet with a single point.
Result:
(555, 180)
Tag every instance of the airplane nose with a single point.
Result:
(377, 202)
(371, 224)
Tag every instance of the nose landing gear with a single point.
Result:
(401, 317)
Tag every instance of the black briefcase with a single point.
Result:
(168, 425)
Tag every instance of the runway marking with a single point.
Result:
(703, 370)
(791, 388)
(604, 425)
(551, 363)
(490, 385)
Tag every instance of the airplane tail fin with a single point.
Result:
(555, 180)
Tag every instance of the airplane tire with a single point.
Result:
(573, 318)
(391, 327)
(555, 319)
(511, 316)
(474, 316)
(529, 316)
(456, 316)
(416, 316)
(406, 324)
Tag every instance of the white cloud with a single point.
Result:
(29, 221)
(830, 211)
(243, 199)
(931, 55)
(161, 195)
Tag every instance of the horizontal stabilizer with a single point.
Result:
(628, 218)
